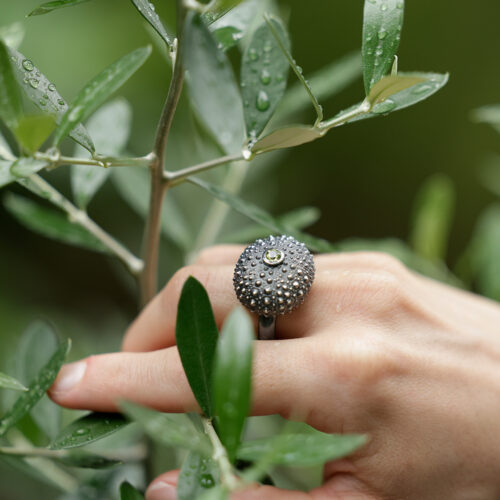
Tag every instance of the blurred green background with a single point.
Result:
(364, 177)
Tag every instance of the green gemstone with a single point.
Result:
(273, 256)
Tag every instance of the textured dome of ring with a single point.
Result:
(273, 275)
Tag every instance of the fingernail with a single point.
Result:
(161, 491)
(69, 376)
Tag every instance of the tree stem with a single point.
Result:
(57, 160)
(151, 240)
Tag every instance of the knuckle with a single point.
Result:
(216, 254)
(380, 261)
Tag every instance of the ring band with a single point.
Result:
(272, 277)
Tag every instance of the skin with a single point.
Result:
(375, 349)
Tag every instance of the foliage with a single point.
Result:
(237, 119)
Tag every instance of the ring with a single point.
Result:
(273, 277)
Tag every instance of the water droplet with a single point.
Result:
(60, 102)
(151, 6)
(34, 82)
(268, 47)
(382, 34)
(421, 89)
(28, 65)
(51, 87)
(252, 54)
(384, 107)
(81, 432)
(247, 154)
(279, 78)
(383, 7)
(379, 52)
(207, 481)
(263, 102)
(265, 77)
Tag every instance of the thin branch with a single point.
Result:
(228, 478)
(174, 178)
(336, 121)
(151, 241)
(98, 160)
(81, 218)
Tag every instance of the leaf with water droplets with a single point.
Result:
(88, 429)
(198, 474)
(7, 382)
(171, 430)
(390, 85)
(147, 10)
(36, 390)
(37, 344)
(99, 89)
(44, 95)
(264, 72)
(212, 86)
(129, 492)
(86, 460)
(110, 128)
(382, 25)
(47, 7)
(233, 361)
(429, 84)
(304, 449)
(287, 137)
(51, 223)
(6, 177)
(295, 67)
(33, 131)
(260, 216)
(219, 8)
(11, 106)
(197, 334)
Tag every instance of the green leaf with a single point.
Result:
(433, 215)
(198, 474)
(110, 128)
(219, 492)
(490, 175)
(11, 106)
(50, 223)
(88, 429)
(33, 131)
(86, 460)
(301, 450)
(488, 114)
(47, 7)
(390, 85)
(196, 333)
(128, 492)
(296, 219)
(324, 84)
(287, 137)
(382, 24)
(36, 390)
(99, 89)
(7, 382)
(24, 167)
(219, 8)
(432, 82)
(212, 86)
(171, 430)
(133, 186)
(5, 151)
(44, 95)
(6, 177)
(484, 250)
(264, 71)
(147, 11)
(296, 68)
(260, 216)
(232, 378)
(36, 346)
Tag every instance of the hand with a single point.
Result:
(375, 349)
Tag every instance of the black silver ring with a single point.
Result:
(273, 277)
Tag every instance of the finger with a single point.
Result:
(343, 487)
(157, 380)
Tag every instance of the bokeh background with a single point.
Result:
(363, 177)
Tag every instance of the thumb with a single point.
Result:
(339, 487)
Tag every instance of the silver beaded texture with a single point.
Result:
(273, 275)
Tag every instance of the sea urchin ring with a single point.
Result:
(272, 277)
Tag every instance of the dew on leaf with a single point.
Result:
(265, 77)
(207, 481)
(263, 101)
(51, 87)
(28, 65)
(252, 54)
(34, 82)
